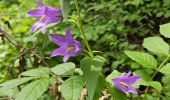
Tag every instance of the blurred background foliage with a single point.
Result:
(111, 26)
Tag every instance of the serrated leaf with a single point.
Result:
(114, 74)
(65, 8)
(14, 83)
(37, 72)
(72, 87)
(165, 69)
(33, 90)
(145, 59)
(156, 45)
(91, 70)
(63, 69)
(165, 30)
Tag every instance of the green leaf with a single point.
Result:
(143, 73)
(165, 69)
(100, 86)
(63, 69)
(153, 84)
(145, 59)
(65, 8)
(37, 72)
(14, 83)
(116, 94)
(114, 74)
(72, 87)
(33, 90)
(156, 45)
(165, 30)
(91, 70)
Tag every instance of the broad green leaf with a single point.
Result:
(100, 86)
(91, 70)
(116, 94)
(33, 90)
(14, 83)
(156, 45)
(145, 59)
(166, 80)
(165, 69)
(37, 72)
(143, 73)
(165, 30)
(72, 87)
(153, 84)
(65, 8)
(63, 69)
(114, 74)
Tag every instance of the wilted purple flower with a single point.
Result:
(46, 15)
(69, 47)
(124, 82)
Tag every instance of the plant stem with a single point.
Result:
(161, 65)
(82, 30)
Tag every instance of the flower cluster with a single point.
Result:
(46, 15)
(69, 47)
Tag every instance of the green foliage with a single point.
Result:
(114, 74)
(145, 59)
(116, 94)
(63, 69)
(65, 8)
(33, 90)
(14, 83)
(156, 45)
(38, 72)
(165, 69)
(154, 84)
(111, 27)
(72, 88)
(164, 30)
(91, 67)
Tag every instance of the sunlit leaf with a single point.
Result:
(72, 87)
(145, 59)
(37, 72)
(33, 90)
(156, 45)
(63, 69)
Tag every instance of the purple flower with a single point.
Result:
(46, 15)
(124, 82)
(69, 47)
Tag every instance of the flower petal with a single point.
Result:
(59, 40)
(78, 47)
(132, 90)
(53, 20)
(39, 3)
(37, 25)
(52, 12)
(43, 29)
(65, 58)
(128, 74)
(131, 79)
(122, 88)
(37, 13)
(69, 34)
(58, 52)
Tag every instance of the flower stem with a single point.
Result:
(161, 65)
(82, 30)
